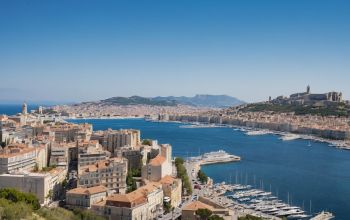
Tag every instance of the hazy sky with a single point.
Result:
(87, 50)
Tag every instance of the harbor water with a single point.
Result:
(292, 170)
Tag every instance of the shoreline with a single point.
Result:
(339, 144)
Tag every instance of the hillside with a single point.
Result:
(213, 101)
(337, 109)
(138, 100)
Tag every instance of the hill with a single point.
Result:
(336, 109)
(138, 100)
(214, 101)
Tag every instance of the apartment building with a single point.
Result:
(160, 166)
(189, 211)
(115, 139)
(83, 197)
(45, 185)
(110, 173)
(172, 188)
(17, 157)
(91, 152)
(142, 204)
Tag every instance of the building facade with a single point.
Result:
(142, 204)
(113, 140)
(82, 197)
(160, 166)
(110, 173)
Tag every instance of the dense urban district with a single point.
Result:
(324, 117)
(54, 169)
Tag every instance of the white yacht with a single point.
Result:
(258, 132)
(290, 137)
(323, 216)
(218, 157)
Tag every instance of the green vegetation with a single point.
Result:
(60, 213)
(130, 181)
(338, 109)
(18, 205)
(202, 177)
(204, 214)
(181, 173)
(16, 196)
(250, 217)
(14, 210)
(137, 100)
(215, 217)
(167, 207)
(146, 142)
(49, 168)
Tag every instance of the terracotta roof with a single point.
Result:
(194, 206)
(15, 150)
(88, 191)
(157, 161)
(167, 180)
(136, 197)
(100, 165)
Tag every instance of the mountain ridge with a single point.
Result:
(199, 100)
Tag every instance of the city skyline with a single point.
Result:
(84, 51)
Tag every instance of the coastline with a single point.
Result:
(339, 144)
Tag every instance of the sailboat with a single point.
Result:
(309, 144)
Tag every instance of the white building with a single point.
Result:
(45, 185)
(16, 157)
(142, 204)
(82, 197)
(91, 153)
(160, 166)
(115, 139)
(110, 173)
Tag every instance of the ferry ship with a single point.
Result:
(218, 157)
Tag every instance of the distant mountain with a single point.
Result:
(138, 100)
(213, 101)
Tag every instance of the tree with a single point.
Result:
(202, 177)
(179, 160)
(182, 174)
(147, 142)
(17, 196)
(250, 217)
(12, 211)
(130, 182)
(215, 217)
(204, 213)
(167, 207)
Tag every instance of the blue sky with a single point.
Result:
(88, 50)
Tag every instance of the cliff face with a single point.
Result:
(283, 127)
